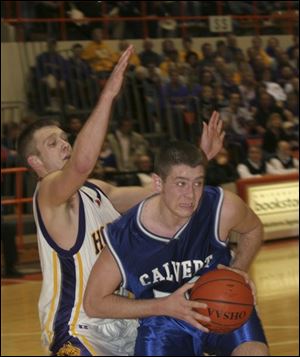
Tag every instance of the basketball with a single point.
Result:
(228, 297)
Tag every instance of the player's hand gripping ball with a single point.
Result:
(228, 297)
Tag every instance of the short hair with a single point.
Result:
(25, 144)
(77, 45)
(178, 153)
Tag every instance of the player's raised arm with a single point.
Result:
(212, 136)
(62, 184)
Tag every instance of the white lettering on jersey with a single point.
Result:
(174, 271)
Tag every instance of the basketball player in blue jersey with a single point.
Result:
(164, 243)
(70, 212)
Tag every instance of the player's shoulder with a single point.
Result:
(213, 192)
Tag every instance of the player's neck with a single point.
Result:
(159, 219)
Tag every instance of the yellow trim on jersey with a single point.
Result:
(87, 343)
(49, 330)
(79, 304)
(80, 294)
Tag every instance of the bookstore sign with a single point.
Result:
(277, 205)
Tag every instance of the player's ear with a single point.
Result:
(34, 161)
(157, 184)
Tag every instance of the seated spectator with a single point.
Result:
(248, 88)
(219, 69)
(293, 86)
(51, 75)
(207, 103)
(272, 45)
(236, 117)
(294, 60)
(221, 51)
(175, 91)
(207, 77)
(126, 145)
(257, 47)
(220, 170)
(107, 158)
(232, 49)
(106, 165)
(148, 56)
(255, 164)
(273, 88)
(171, 62)
(285, 76)
(221, 101)
(187, 44)
(190, 70)
(230, 81)
(237, 123)
(99, 55)
(273, 134)
(283, 161)
(291, 129)
(207, 56)
(265, 106)
(154, 101)
(74, 126)
(294, 46)
(144, 165)
(167, 46)
(81, 82)
(292, 105)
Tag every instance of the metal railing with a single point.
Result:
(18, 201)
(287, 18)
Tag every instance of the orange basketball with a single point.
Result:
(228, 297)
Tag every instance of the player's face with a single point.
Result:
(182, 189)
(53, 147)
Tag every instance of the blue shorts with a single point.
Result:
(165, 336)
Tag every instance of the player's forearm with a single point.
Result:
(248, 246)
(90, 139)
(115, 306)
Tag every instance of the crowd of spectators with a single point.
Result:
(255, 91)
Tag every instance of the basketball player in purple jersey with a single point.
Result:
(165, 242)
(70, 212)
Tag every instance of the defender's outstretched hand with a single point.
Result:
(212, 137)
(114, 83)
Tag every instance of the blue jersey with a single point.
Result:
(152, 265)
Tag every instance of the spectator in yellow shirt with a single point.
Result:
(187, 44)
(100, 57)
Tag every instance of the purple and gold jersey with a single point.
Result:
(65, 275)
